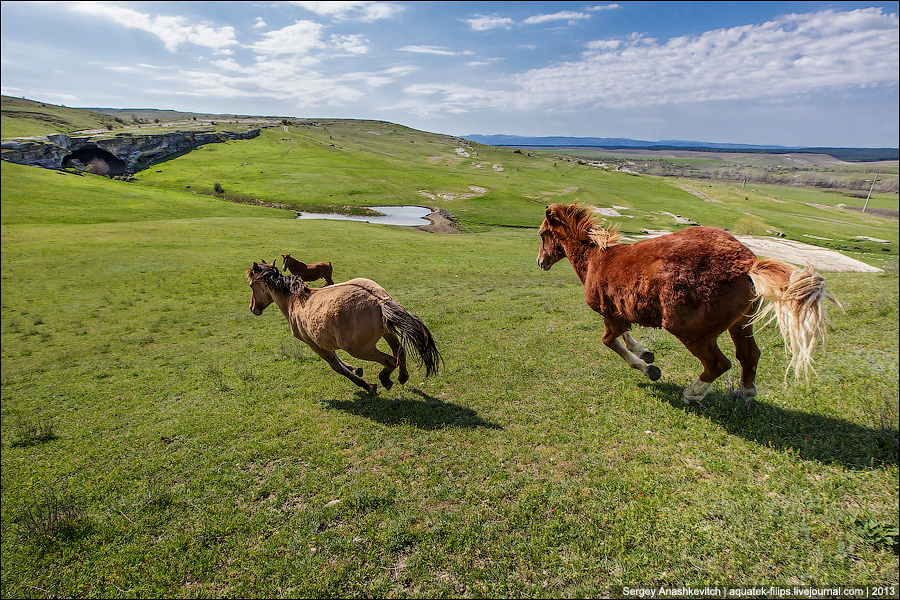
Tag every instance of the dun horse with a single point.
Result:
(350, 316)
(307, 272)
(696, 283)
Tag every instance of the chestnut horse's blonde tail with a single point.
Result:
(413, 334)
(797, 299)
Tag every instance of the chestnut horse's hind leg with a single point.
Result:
(615, 328)
(747, 353)
(714, 364)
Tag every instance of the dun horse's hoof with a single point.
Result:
(648, 357)
(653, 372)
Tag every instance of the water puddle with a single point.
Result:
(408, 216)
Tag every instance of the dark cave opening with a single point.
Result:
(113, 165)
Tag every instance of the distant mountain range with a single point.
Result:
(848, 154)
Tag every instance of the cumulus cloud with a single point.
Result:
(172, 30)
(485, 23)
(432, 50)
(299, 38)
(565, 15)
(795, 54)
(789, 57)
(352, 10)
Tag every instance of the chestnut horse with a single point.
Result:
(696, 283)
(307, 272)
(350, 316)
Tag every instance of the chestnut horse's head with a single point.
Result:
(552, 250)
(260, 277)
(575, 223)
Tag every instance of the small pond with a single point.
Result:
(409, 216)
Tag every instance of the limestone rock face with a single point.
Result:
(133, 150)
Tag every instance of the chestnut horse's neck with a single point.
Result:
(290, 261)
(580, 254)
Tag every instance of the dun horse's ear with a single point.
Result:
(255, 266)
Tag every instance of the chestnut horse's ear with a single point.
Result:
(550, 215)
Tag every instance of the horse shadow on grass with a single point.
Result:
(809, 436)
(426, 412)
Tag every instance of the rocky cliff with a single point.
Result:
(123, 152)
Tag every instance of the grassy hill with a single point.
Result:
(23, 118)
(326, 165)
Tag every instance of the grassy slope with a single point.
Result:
(374, 163)
(23, 118)
(204, 444)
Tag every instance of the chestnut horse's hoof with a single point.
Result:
(358, 371)
(386, 382)
(653, 372)
(648, 357)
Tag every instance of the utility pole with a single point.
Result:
(869, 195)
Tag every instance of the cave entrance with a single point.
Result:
(100, 157)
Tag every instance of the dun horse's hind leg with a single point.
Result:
(373, 354)
(615, 328)
(399, 353)
(714, 364)
(747, 353)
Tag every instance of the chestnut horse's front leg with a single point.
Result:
(613, 329)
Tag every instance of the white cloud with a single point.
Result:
(795, 54)
(172, 30)
(481, 23)
(603, 7)
(428, 50)
(352, 10)
(260, 23)
(566, 15)
(299, 38)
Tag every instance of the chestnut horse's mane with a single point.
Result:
(275, 281)
(581, 220)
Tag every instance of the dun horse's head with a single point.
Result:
(261, 296)
(551, 250)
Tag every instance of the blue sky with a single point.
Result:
(783, 73)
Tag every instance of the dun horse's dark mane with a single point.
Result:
(582, 222)
(275, 281)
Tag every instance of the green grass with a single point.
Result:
(203, 447)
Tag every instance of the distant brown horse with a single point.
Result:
(307, 272)
(350, 316)
(696, 283)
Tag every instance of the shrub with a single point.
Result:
(217, 188)
(98, 166)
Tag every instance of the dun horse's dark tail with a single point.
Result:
(413, 334)
(796, 297)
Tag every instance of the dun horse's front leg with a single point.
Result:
(615, 328)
